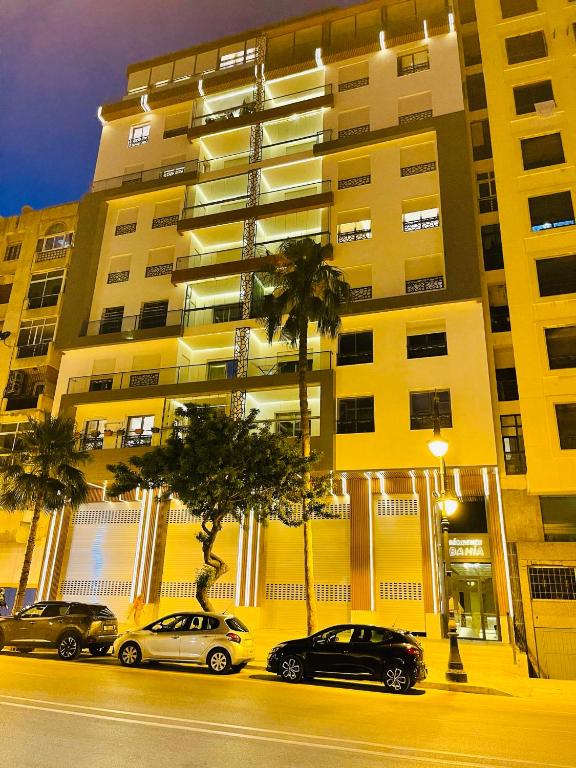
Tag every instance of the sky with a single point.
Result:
(61, 59)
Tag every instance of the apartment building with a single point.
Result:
(518, 60)
(347, 126)
(35, 253)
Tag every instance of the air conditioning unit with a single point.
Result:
(15, 384)
(545, 108)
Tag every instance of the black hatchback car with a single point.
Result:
(356, 651)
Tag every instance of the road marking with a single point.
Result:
(217, 728)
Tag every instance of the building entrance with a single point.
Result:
(476, 615)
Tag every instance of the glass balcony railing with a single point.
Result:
(289, 425)
(122, 324)
(219, 118)
(218, 313)
(165, 173)
(186, 374)
(242, 201)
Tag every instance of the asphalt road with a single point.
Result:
(93, 713)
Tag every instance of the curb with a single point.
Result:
(465, 688)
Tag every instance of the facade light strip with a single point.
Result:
(47, 551)
(249, 558)
(504, 544)
(368, 476)
(425, 28)
(56, 546)
(145, 544)
(457, 484)
(99, 116)
(201, 86)
(382, 39)
(318, 58)
(451, 21)
(431, 530)
(138, 542)
(153, 550)
(256, 566)
(144, 103)
(238, 598)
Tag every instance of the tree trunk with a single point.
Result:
(25, 573)
(309, 586)
(214, 566)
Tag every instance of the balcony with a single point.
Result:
(239, 115)
(33, 350)
(130, 323)
(423, 284)
(177, 173)
(187, 374)
(51, 255)
(300, 197)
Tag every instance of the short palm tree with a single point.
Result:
(42, 474)
(306, 290)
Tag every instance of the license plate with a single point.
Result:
(109, 627)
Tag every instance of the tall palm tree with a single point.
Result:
(42, 474)
(306, 290)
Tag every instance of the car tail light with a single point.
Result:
(412, 651)
(233, 637)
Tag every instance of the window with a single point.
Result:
(513, 444)
(506, 384)
(5, 291)
(237, 58)
(288, 423)
(551, 211)
(417, 61)
(415, 220)
(350, 231)
(12, 252)
(10, 432)
(492, 247)
(92, 437)
(171, 624)
(486, 185)
(471, 50)
(55, 242)
(221, 369)
(555, 583)
(35, 336)
(566, 419)
(558, 517)
(517, 7)
(500, 319)
(112, 320)
(526, 47)
(561, 346)
(355, 414)
(139, 135)
(355, 348)
(422, 409)
(476, 92)
(541, 151)
(45, 288)
(154, 314)
(139, 431)
(527, 96)
(556, 276)
(426, 345)
(481, 140)
(236, 625)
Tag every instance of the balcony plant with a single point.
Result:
(108, 433)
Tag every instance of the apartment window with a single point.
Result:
(93, 439)
(492, 247)
(355, 348)
(476, 92)
(5, 291)
(555, 583)
(558, 517)
(237, 58)
(526, 97)
(55, 242)
(541, 151)
(566, 419)
(513, 444)
(506, 384)
(35, 336)
(517, 7)
(9, 434)
(500, 319)
(111, 321)
(561, 347)
(221, 369)
(426, 219)
(417, 61)
(422, 409)
(350, 231)
(12, 252)
(471, 50)
(154, 314)
(355, 414)
(139, 135)
(526, 47)
(556, 276)
(481, 140)
(45, 288)
(138, 432)
(551, 211)
(426, 345)
(486, 186)
(288, 423)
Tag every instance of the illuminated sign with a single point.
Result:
(469, 547)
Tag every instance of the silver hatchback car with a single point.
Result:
(219, 640)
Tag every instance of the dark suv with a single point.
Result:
(357, 651)
(68, 627)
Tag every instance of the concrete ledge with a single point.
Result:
(463, 688)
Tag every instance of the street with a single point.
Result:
(93, 713)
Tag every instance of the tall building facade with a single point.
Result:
(35, 251)
(518, 57)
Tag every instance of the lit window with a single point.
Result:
(237, 58)
(139, 135)
(427, 219)
(54, 242)
(354, 230)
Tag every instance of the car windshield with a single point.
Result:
(236, 625)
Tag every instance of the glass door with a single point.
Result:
(474, 602)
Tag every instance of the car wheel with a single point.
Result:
(24, 650)
(219, 661)
(395, 677)
(99, 650)
(69, 647)
(291, 669)
(239, 667)
(130, 655)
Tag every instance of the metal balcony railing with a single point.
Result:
(55, 253)
(165, 173)
(134, 322)
(187, 374)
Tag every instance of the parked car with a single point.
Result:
(218, 640)
(68, 627)
(357, 651)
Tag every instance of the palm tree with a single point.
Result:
(306, 290)
(42, 474)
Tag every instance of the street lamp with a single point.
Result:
(447, 505)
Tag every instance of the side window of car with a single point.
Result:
(379, 636)
(343, 635)
(171, 624)
(52, 611)
(34, 612)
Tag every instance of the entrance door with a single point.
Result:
(476, 615)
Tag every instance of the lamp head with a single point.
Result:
(438, 447)
(448, 504)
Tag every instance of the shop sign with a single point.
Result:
(469, 547)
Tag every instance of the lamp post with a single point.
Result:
(447, 505)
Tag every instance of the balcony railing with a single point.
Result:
(289, 426)
(242, 201)
(422, 222)
(166, 173)
(222, 116)
(55, 253)
(33, 350)
(187, 374)
(423, 284)
(218, 313)
(134, 322)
